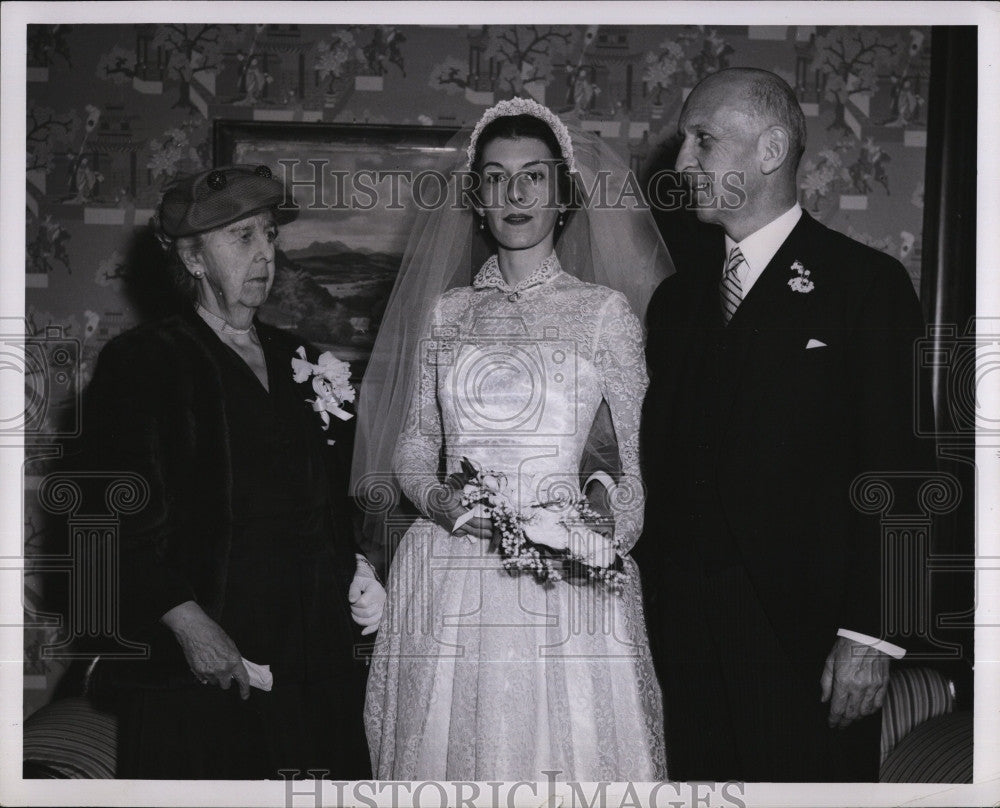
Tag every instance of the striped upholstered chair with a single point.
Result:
(923, 739)
(70, 738)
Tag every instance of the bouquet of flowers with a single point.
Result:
(331, 381)
(557, 540)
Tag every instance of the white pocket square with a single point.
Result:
(815, 343)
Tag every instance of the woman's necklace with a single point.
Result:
(220, 325)
(242, 340)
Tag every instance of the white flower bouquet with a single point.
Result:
(556, 540)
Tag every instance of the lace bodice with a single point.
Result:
(512, 378)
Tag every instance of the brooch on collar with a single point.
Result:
(801, 282)
(490, 277)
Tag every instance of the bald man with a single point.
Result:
(781, 368)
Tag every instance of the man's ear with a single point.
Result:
(772, 148)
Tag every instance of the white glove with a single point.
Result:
(366, 596)
(545, 526)
(594, 548)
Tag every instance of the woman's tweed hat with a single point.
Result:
(219, 196)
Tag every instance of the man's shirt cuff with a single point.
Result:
(879, 645)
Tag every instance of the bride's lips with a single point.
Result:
(517, 218)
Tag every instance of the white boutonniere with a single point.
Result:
(801, 282)
(331, 381)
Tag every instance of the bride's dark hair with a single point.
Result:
(515, 127)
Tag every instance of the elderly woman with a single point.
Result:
(240, 572)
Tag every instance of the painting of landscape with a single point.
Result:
(336, 263)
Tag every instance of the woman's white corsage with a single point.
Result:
(331, 381)
(552, 541)
(801, 282)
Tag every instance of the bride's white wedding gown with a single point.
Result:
(478, 674)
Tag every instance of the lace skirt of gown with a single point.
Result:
(480, 675)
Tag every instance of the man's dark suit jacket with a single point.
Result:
(790, 430)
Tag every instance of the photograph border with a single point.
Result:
(984, 789)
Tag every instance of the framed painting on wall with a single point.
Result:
(337, 262)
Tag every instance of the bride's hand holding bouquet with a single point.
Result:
(564, 538)
(445, 507)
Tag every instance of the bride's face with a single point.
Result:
(519, 194)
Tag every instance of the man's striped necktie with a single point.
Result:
(730, 290)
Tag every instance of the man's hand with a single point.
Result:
(211, 655)
(854, 680)
(367, 598)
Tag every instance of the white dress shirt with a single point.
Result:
(758, 249)
(761, 246)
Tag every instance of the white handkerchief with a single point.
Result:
(815, 343)
(260, 675)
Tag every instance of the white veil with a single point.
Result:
(610, 239)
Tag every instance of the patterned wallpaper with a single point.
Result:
(116, 111)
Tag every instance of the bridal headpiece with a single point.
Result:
(525, 106)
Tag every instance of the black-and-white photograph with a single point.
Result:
(581, 404)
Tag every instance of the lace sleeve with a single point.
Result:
(618, 356)
(415, 462)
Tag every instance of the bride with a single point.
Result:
(482, 671)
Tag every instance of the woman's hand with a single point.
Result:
(210, 653)
(367, 597)
(444, 505)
